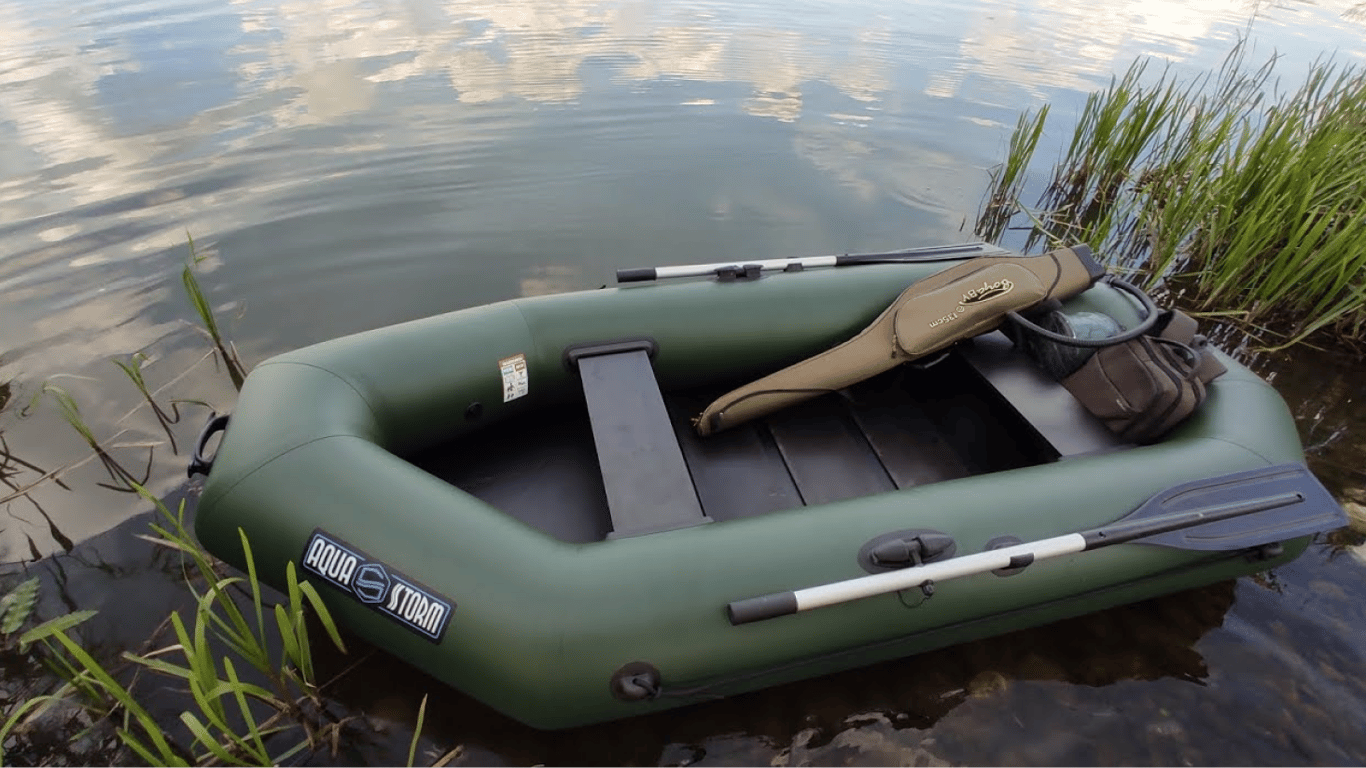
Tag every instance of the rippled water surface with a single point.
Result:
(344, 165)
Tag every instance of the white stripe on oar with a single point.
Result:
(697, 270)
(895, 581)
(927, 254)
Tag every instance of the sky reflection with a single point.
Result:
(360, 162)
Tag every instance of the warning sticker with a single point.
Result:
(514, 377)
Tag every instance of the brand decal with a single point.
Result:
(515, 379)
(986, 292)
(377, 585)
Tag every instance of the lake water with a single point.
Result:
(347, 164)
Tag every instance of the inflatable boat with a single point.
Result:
(517, 499)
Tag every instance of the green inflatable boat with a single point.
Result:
(551, 504)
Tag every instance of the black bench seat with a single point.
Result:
(646, 479)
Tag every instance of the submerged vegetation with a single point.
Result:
(1247, 198)
(239, 668)
(208, 323)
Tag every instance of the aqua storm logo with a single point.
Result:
(377, 585)
(372, 583)
(331, 561)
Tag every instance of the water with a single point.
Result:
(345, 165)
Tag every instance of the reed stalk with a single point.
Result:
(1250, 199)
(226, 352)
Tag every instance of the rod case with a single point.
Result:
(965, 300)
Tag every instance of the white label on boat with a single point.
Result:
(514, 377)
(377, 585)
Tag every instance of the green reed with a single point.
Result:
(123, 478)
(243, 657)
(226, 351)
(1007, 179)
(236, 718)
(1249, 197)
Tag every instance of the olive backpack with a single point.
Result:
(1141, 382)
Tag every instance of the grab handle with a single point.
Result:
(198, 464)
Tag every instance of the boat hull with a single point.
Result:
(538, 627)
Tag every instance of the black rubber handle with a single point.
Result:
(763, 607)
(198, 464)
(636, 275)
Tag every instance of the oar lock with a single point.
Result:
(904, 549)
(907, 549)
(731, 273)
(902, 553)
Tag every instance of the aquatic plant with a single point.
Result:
(123, 479)
(226, 351)
(1247, 198)
(17, 475)
(17, 691)
(1008, 178)
(236, 718)
(15, 607)
(244, 657)
(133, 370)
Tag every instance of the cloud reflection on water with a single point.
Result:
(349, 146)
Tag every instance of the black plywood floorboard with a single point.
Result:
(903, 428)
(826, 452)
(975, 420)
(908, 443)
(540, 469)
(738, 472)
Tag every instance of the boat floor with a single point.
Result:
(968, 414)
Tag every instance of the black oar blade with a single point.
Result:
(929, 254)
(1296, 504)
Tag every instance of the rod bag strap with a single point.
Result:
(967, 299)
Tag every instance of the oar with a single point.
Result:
(752, 268)
(1219, 513)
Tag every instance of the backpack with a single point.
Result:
(1140, 383)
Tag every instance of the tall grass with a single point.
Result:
(236, 718)
(1008, 178)
(1251, 197)
(226, 351)
(241, 660)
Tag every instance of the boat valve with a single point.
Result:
(636, 681)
